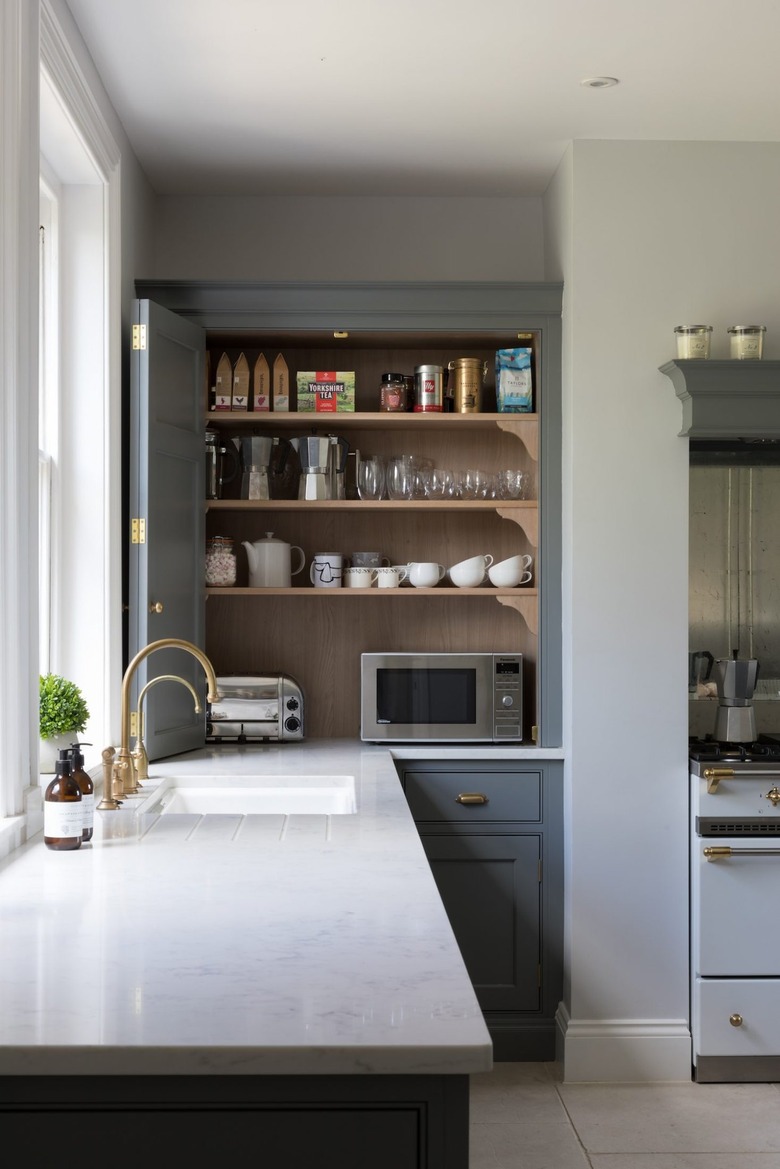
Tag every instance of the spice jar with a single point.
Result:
(220, 562)
(392, 393)
(693, 340)
(747, 341)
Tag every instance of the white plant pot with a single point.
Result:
(50, 750)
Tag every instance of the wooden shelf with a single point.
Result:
(403, 591)
(366, 420)
(365, 505)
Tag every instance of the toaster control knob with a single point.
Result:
(292, 704)
(292, 724)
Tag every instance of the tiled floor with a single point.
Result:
(522, 1117)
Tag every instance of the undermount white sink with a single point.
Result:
(251, 795)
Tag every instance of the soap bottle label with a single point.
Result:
(62, 819)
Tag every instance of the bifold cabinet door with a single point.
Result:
(490, 886)
(166, 588)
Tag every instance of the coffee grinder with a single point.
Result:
(735, 721)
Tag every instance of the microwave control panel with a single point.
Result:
(508, 696)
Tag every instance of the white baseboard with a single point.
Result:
(622, 1050)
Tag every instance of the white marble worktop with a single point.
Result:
(239, 945)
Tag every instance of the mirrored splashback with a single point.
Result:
(734, 572)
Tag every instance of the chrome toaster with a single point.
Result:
(254, 708)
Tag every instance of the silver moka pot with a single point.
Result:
(736, 680)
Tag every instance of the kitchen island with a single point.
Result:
(289, 984)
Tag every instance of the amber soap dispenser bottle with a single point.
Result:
(62, 816)
(87, 790)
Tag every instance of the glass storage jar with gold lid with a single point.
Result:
(220, 562)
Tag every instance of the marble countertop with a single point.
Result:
(261, 944)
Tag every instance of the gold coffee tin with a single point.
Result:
(468, 374)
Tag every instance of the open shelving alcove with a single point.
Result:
(317, 635)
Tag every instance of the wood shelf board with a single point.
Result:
(517, 509)
(368, 420)
(528, 594)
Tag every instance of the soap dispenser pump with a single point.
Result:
(87, 789)
(62, 818)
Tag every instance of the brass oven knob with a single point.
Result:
(735, 1020)
(773, 795)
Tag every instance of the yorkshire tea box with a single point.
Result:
(325, 391)
(514, 383)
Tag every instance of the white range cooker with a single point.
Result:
(735, 898)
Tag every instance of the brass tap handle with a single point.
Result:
(108, 803)
(471, 798)
(156, 607)
(736, 1020)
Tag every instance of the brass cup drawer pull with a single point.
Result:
(471, 798)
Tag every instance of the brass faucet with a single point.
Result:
(122, 774)
(138, 754)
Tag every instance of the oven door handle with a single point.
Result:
(723, 852)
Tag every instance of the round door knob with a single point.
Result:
(156, 607)
(735, 1020)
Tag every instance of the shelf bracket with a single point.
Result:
(526, 429)
(527, 608)
(525, 518)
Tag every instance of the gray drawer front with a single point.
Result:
(511, 795)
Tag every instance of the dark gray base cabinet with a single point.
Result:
(278, 1122)
(493, 837)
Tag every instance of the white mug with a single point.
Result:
(390, 577)
(425, 574)
(325, 570)
(360, 578)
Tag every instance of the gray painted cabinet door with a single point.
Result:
(167, 491)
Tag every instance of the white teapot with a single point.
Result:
(270, 562)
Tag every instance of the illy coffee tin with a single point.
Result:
(428, 381)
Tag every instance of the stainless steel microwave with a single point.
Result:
(441, 698)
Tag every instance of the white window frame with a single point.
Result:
(84, 433)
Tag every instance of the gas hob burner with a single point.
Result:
(765, 749)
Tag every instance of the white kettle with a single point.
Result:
(270, 562)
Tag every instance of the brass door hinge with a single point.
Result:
(138, 531)
(139, 336)
(534, 733)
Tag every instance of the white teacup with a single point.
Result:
(359, 578)
(390, 577)
(469, 574)
(514, 571)
(425, 574)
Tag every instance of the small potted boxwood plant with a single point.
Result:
(63, 716)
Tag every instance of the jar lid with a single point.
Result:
(747, 329)
(693, 328)
(220, 540)
(392, 377)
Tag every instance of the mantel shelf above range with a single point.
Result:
(727, 399)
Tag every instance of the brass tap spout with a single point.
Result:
(139, 756)
(122, 779)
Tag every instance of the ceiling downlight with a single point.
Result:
(599, 82)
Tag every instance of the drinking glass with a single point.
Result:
(474, 484)
(441, 484)
(511, 484)
(371, 478)
(400, 477)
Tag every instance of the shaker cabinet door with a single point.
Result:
(490, 887)
(166, 588)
